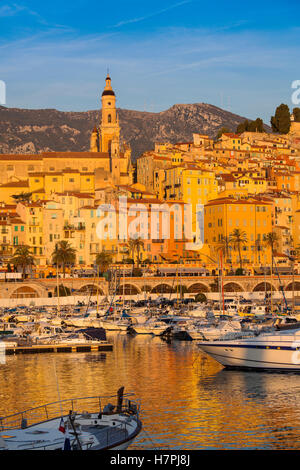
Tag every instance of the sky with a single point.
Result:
(240, 56)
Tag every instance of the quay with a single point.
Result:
(42, 291)
(57, 348)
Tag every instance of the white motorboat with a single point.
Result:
(67, 425)
(84, 321)
(151, 327)
(229, 328)
(9, 329)
(116, 324)
(277, 351)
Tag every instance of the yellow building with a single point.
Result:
(252, 215)
(190, 184)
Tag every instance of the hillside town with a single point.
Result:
(67, 208)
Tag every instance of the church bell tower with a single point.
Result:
(109, 128)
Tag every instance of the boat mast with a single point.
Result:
(57, 288)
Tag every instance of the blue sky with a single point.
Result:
(241, 56)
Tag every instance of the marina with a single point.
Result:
(188, 400)
(165, 347)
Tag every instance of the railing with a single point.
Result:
(57, 409)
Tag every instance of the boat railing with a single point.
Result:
(62, 408)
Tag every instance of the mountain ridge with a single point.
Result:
(48, 129)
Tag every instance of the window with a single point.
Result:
(109, 118)
(71, 180)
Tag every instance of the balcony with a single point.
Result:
(74, 227)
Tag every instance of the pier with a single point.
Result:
(57, 348)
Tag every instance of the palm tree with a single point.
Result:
(271, 241)
(224, 247)
(64, 254)
(103, 261)
(23, 258)
(138, 245)
(135, 245)
(238, 238)
(131, 247)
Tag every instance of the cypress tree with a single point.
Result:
(281, 122)
(296, 113)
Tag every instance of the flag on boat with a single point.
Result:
(67, 444)
(62, 426)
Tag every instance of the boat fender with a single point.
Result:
(24, 423)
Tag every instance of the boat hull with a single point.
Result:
(258, 355)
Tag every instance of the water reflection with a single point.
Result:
(188, 400)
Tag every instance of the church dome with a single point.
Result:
(108, 92)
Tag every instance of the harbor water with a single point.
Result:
(188, 401)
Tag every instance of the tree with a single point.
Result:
(63, 291)
(271, 241)
(200, 297)
(214, 286)
(22, 197)
(224, 247)
(296, 114)
(135, 245)
(238, 238)
(64, 255)
(242, 127)
(281, 122)
(223, 130)
(252, 126)
(256, 126)
(103, 261)
(131, 248)
(23, 258)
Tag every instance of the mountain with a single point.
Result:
(37, 130)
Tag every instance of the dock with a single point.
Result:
(58, 348)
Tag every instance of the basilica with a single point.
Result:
(106, 139)
(108, 163)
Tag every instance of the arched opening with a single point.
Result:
(109, 118)
(233, 287)
(263, 286)
(127, 289)
(24, 292)
(89, 289)
(198, 287)
(296, 286)
(164, 289)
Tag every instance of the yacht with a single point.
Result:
(276, 351)
(67, 425)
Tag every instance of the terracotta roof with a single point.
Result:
(15, 184)
(231, 200)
